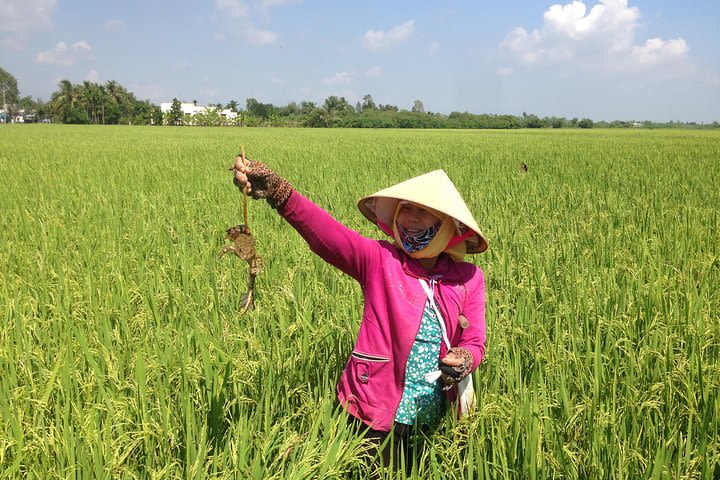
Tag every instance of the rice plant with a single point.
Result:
(123, 354)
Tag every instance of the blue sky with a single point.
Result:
(603, 59)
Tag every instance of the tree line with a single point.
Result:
(111, 103)
(88, 102)
(105, 104)
(338, 112)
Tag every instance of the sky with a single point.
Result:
(601, 59)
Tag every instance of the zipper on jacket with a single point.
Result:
(369, 358)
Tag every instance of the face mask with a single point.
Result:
(414, 243)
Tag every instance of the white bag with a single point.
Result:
(466, 391)
(466, 395)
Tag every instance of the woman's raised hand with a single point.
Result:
(241, 170)
(259, 181)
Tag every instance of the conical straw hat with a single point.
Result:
(434, 190)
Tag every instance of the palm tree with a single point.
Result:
(129, 107)
(115, 91)
(327, 113)
(333, 106)
(64, 99)
(118, 95)
(92, 95)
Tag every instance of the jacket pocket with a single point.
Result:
(366, 365)
(369, 357)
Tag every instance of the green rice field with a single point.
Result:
(123, 353)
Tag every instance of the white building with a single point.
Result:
(187, 108)
(229, 114)
(192, 109)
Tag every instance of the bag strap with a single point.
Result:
(430, 292)
(433, 376)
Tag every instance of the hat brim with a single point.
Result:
(433, 190)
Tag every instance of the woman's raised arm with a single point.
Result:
(335, 243)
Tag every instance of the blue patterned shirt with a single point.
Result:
(423, 402)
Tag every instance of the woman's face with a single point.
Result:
(414, 219)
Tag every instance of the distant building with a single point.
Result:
(637, 124)
(18, 116)
(187, 108)
(192, 109)
(229, 114)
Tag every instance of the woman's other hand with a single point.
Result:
(461, 361)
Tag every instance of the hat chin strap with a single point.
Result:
(438, 244)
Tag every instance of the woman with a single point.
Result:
(423, 325)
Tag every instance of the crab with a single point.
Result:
(243, 247)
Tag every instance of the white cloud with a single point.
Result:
(115, 26)
(20, 17)
(25, 15)
(611, 22)
(656, 50)
(261, 37)
(522, 44)
(277, 81)
(603, 36)
(266, 4)
(63, 55)
(233, 8)
(340, 78)
(374, 72)
(434, 47)
(504, 71)
(240, 16)
(93, 76)
(375, 39)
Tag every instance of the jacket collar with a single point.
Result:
(444, 267)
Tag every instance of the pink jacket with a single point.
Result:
(372, 383)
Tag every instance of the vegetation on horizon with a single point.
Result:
(89, 102)
(111, 103)
(337, 112)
